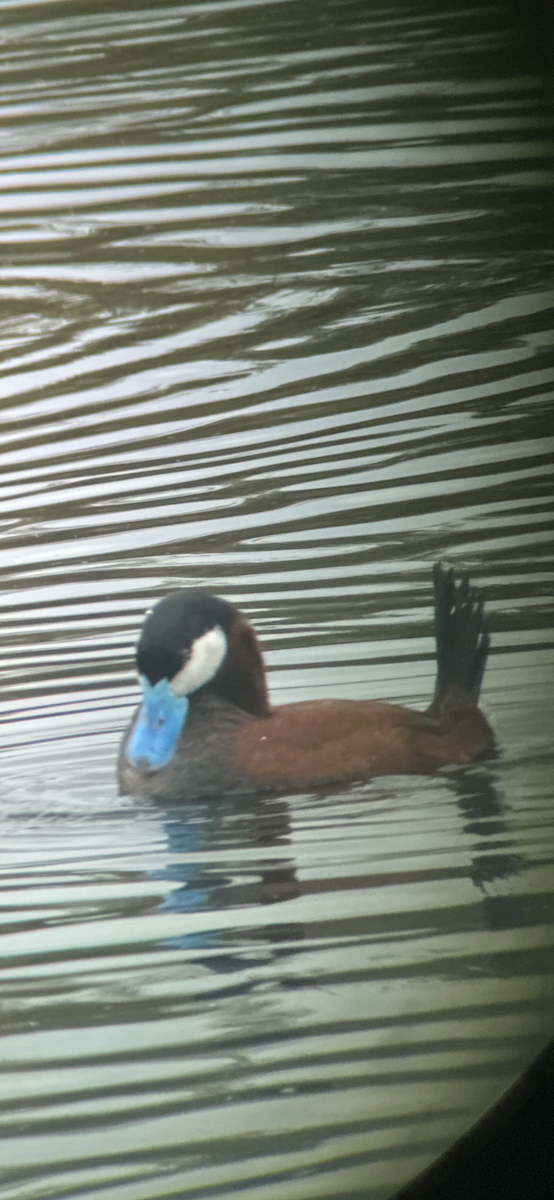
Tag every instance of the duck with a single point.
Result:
(205, 724)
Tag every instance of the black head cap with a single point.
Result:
(173, 625)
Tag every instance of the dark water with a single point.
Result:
(275, 318)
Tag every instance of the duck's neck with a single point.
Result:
(241, 678)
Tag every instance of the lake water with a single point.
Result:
(276, 316)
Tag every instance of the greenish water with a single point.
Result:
(275, 319)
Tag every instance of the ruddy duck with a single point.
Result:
(205, 724)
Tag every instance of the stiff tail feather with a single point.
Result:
(462, 639)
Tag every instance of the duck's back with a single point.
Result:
(323, 740)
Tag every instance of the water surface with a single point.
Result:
(276, 319)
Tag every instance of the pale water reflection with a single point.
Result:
(276, 320)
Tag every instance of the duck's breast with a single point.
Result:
(203, 763)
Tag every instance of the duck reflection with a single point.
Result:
(485, 817)
(225, 858)
(236, 852)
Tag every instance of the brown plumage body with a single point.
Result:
(233, 738)
(320, 741)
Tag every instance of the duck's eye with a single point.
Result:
(158, 722)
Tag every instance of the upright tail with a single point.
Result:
(462, 641)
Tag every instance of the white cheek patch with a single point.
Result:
(206, 656)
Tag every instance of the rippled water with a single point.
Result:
(275, 318)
